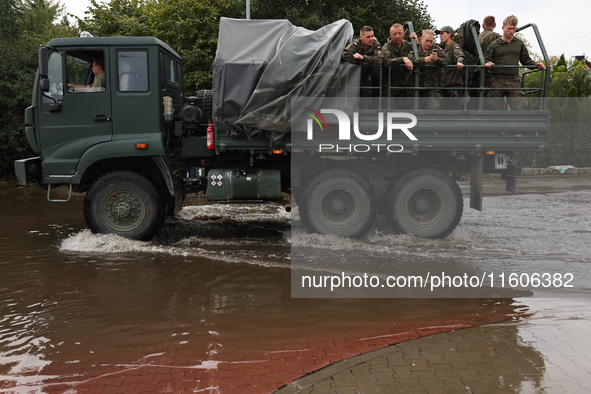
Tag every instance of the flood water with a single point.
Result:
(214, 285)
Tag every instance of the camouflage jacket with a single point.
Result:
(451, 76)
(393, 56)
(373, 54)
(373, 58)
(486, 37)
(430, 76)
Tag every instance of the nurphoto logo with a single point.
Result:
(344, 133)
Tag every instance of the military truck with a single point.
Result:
(137, 146)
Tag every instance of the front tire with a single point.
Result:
(425, 203)
(126, 204)
(339, 202)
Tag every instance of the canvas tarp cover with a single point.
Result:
(245, 47)
(271, 61)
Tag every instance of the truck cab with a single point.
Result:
(71, 127)
(81, 133)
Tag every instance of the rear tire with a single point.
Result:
(339, 202)
(425, 203)
(126, 204)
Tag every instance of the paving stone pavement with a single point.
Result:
(542, 355)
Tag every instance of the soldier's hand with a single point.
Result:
(358, 56)
(460, 65)
(408, 63)
(541, 66)
(434, 56)
(489, 65)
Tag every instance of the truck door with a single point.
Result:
(80, 116)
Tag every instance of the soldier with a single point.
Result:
(488, 35)
(507, 50)
(451, 77)
(485, 38)
(395, 55)
(365, 50)
(429, 54)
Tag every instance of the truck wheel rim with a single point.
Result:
(123, 209)
(425, 207)
(338, 208)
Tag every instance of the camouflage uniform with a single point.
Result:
(502, 52)
(452, 77)
(430, 73)
(399, 74)
(485, 38)
(373, 57)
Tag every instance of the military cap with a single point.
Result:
(447, 29)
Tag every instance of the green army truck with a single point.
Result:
(137, 145)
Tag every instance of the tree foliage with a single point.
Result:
(561, 62)
(313, 14)
(190, 27)
(569, 89)
(571, 109)
(577, 75)
(10, 16)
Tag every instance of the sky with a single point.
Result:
(563, 26)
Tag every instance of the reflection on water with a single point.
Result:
(214, 283)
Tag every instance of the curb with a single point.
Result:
(555, 171)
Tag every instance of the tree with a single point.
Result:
(313, 14)
(577, 76)
(190, 27)
(10, 15)
(561, 62)
(39, 15)
(571, 110)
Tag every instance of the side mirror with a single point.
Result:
(44, 84)
(43, 62)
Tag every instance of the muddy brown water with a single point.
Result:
(215, 281)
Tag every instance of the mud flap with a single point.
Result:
(476, 165)
(511, 179)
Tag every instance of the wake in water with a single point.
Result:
(250, 234)
(512, 232)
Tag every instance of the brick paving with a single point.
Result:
(542, 355)
(516, 353)
(247, 372)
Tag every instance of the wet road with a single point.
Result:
(216, 283)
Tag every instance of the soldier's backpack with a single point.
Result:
(469, 45)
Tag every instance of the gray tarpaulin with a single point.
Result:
(261, 64)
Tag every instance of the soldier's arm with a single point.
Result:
(524, 57)
(416, 59)
(375, 60)
(393, 61)
(489, 56)
(348, 53)
(459, 54)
